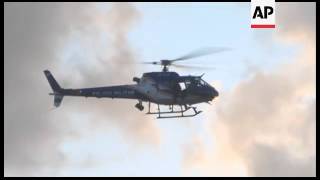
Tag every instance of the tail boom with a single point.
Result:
(122, 91)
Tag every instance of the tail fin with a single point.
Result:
(55, 87)
(53, 83)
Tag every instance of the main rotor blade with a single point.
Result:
(154, 62)
(201, 52)
(191, 66)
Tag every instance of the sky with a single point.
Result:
(262, 124)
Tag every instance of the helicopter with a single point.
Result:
(161, 88)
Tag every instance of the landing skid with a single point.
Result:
(175, 114)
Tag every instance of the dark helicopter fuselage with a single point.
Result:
(170, 88)
(167, 88)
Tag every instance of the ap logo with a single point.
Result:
(263, 14)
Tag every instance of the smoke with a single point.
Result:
(110, 65)
(266, 125)
(35, 38)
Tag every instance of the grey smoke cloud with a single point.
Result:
(29, 40)
(266, 124)
(110, 66)
(292, 24)
(35, 35)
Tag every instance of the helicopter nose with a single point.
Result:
(214, 93)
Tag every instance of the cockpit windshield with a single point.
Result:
(200, 82)
(194, 81)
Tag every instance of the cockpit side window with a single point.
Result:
(199, 82)
(204, 83)
(192, 82)
(182, 86)
(187, 83)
